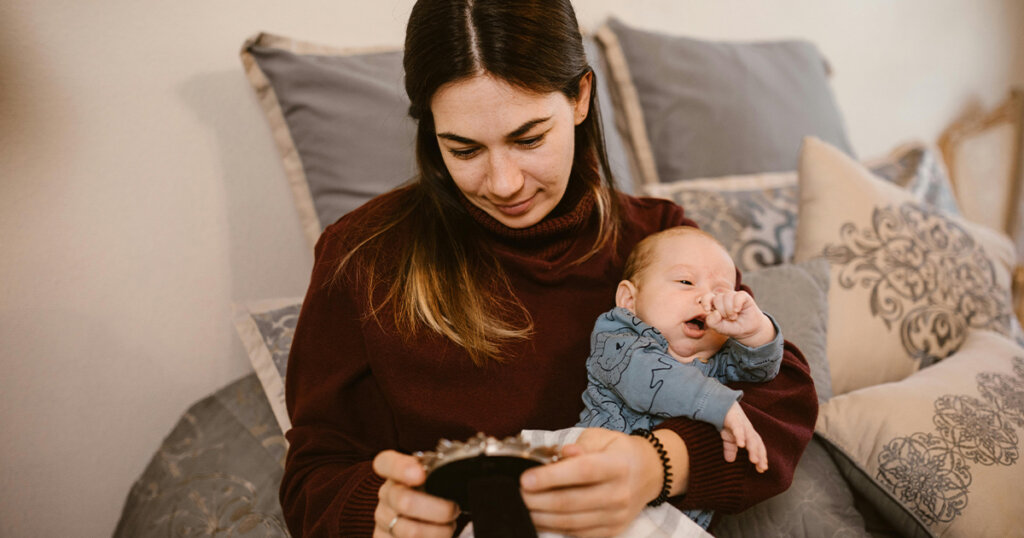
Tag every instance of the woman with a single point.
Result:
(464, 302)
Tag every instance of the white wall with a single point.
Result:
(140, 194)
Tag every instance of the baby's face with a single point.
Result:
(683, 269)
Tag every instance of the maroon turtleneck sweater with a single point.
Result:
(355, 388)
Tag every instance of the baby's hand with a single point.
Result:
(735, 314)
(738, 432)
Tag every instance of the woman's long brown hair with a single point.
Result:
(446, 277)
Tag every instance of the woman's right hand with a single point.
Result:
(403, 511)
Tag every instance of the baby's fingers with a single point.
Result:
(757, 452)
(729, 448)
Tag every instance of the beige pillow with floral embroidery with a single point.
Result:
(908, 281)
(938, 453)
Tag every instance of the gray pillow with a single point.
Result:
(714, 109)
(797, 296)
(340, 122)
(818, 503)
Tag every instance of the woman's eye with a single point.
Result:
(463, 153)
(530, 142)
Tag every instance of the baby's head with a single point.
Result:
(665, 275)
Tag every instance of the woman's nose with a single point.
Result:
(505, 178)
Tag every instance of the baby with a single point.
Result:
(679, 330)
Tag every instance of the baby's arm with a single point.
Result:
(735, 314)
(739, 359)
(737, 433)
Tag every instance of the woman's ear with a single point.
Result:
(582, 104)
(625, 295)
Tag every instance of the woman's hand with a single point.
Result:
(603, 483)
(403, 511)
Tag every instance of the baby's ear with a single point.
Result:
(625, 295)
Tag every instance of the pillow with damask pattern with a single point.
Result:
(947, 461)
(908, 281)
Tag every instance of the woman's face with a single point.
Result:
(509, 151)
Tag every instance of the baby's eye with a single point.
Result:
(463, 153)
(686, 282)
(530, 142)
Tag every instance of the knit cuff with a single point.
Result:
(357, 515)
(713, 484)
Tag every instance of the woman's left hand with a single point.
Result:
(604, 481)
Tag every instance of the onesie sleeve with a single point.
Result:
(651, 382)
(738, 362)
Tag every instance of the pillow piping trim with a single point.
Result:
(625, 95)
(262, 363)
(293, 169)
(730, 183)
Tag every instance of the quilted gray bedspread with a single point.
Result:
(216, 473)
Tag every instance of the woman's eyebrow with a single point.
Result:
(517, 132)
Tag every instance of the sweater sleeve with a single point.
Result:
(783, 412)
(329, 488)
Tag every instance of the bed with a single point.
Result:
(898, 301)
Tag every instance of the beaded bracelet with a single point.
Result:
(666, 484)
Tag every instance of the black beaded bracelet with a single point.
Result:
(666, 484)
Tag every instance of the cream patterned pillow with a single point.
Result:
(938, 454)
(907, 281)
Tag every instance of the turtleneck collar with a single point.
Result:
(571, 214)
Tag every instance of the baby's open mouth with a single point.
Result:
(696, 323)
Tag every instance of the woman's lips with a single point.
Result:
(516, 209)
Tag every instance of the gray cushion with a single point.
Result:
(714, 109)
(347, 116)
(818, 503)
(797, 296)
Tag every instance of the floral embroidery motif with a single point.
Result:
(758, 227)
(924, 473)
(930, 473)
(927, 277)
(1005, 392)
(976, 429)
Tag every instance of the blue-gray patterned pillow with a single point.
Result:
(266, 329)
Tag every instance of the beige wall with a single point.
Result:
(140, 194)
